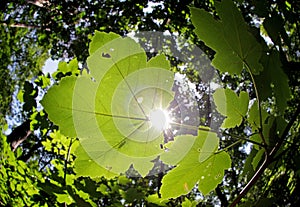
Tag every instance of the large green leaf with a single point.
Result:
(111, 113)
(100, 39)
(235, 46)
(202, 164)
(85, 166)
(58, 103)
(232, 106)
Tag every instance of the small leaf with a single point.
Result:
(254, 116)
(188, 203)
(123, 180)
(156, 200)
(64, 198)
(248, 171)
(43, 81)
(71, 67)
(257, 159)
(274, 25)
(232, 106)
(20, 96)
(63, 67)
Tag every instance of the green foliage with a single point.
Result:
(188, 203)
(66, 69)
(18, 182)
(124, 123)
(254, 118)
(20, 60)
(112, 136)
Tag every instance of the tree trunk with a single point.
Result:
(19, 135)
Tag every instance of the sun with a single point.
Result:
(159, 119)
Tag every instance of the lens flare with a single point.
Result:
(159, 119)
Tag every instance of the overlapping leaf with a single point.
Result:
(229, 37)
(202, 164)
(273, 80)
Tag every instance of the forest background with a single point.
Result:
(254, 48)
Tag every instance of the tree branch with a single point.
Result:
(39, 3)
(19, 135)
(268, 160)
(21, 25)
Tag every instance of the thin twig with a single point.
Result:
(228, 147)
(245, 139)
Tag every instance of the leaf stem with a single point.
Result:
(66, 161)
(258, 103)
(245, 139)
(228, 147)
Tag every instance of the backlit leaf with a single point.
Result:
(254, 116)
(58, 104)
(235, 46)
(85, 166)
(232, 106)
(110, 112)
(198, 166)
(257, 158)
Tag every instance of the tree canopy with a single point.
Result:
(153, 103)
